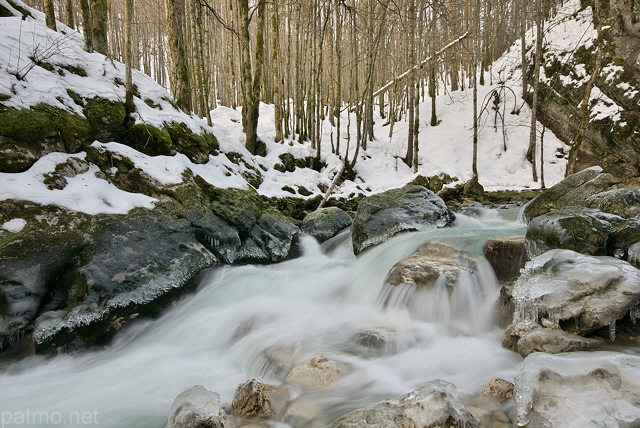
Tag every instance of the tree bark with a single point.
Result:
(50, 15)
(128, 53)
(180, 76)
(99, 20)
(86, 25)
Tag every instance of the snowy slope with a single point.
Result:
(444, 148)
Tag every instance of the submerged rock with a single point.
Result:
(578, 390)
(581, 293)
(499, 388)
(436, 404)
(325, 223)
(410, 208)
(197, 407)
(316, 373)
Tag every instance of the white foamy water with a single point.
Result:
(248, 321)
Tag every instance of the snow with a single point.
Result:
(14, 225)
(84, 193)
(446, 148)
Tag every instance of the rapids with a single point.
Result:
(247, 321)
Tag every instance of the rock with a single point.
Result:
(431, 262)
(325, 223)
(304, 413)
(435, 404)
(590, 188)
(437, 283)
(410, 208)
(490, 419)
(255, 399)
(197, 408)
(634, 254)
(582, 293)
(473, 190)
(316, 373)
(376, 341)
(578, 390)
(529, 338)
(507, 256)
(499, 388)
(435, 183)
(577, 229)
(625, 235)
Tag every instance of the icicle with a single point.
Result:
(612, 331)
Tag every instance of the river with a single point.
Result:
(247, 321)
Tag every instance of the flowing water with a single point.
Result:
(247, 321)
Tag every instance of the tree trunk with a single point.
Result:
(531, 150)
(128, 53)
(86, 25)
(99, 18)
(180, 76)
(70, 19)
(277, 79)
(50, 15)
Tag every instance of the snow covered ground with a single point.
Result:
(446, 148)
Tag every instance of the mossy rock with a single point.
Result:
(148, 139)
(106, 118)
(473, 190)
(325, 223)
(28, 134)
(197, 147)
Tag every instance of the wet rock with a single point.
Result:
(578, 390)
(527, 338)
(325, 223)
(581, 293)
(197, 407)
(375, 341)
(589, 188)
(255, 399)
(577, 229)
(304, 413)
(473, 190)
(507, 256)
(316, 373)
(499, 388)
(431, 262)
(410, 208)
(436, 404)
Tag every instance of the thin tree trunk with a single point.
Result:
(531, 150)
(128, 52)
(50, 15)
(86, 25)
(181, 78)
(99, 18)
(70, 19)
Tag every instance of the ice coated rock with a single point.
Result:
(316, 373)
(197, 407)
(325, 223)
(589, 188)
(435, 404)
(255, 399)
(634, 254)
(590, 291)
(410, 208)
(578, 390)
(506, 256)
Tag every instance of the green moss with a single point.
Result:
(106, 118)
(47, 66)
(28, 134)
(4, 12)
(152, 104)
(74, 69)
(148, 139)
(4, 97)
(289, 189)
(197, 147)
(25, 13)
(75, 97)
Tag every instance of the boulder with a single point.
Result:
(431, 262)
(575, 228)
(255, 399)
(410, 208)
(438, 283)
(435, 404)
(197, 408)
(316, 373)
(527, 338)
(578, 390)
(582, 293)
(375, 341)
(634, 254)
(507, 256)
(325, 223)
(589, 188)
(473, 190)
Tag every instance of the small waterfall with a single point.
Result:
(463, 307)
